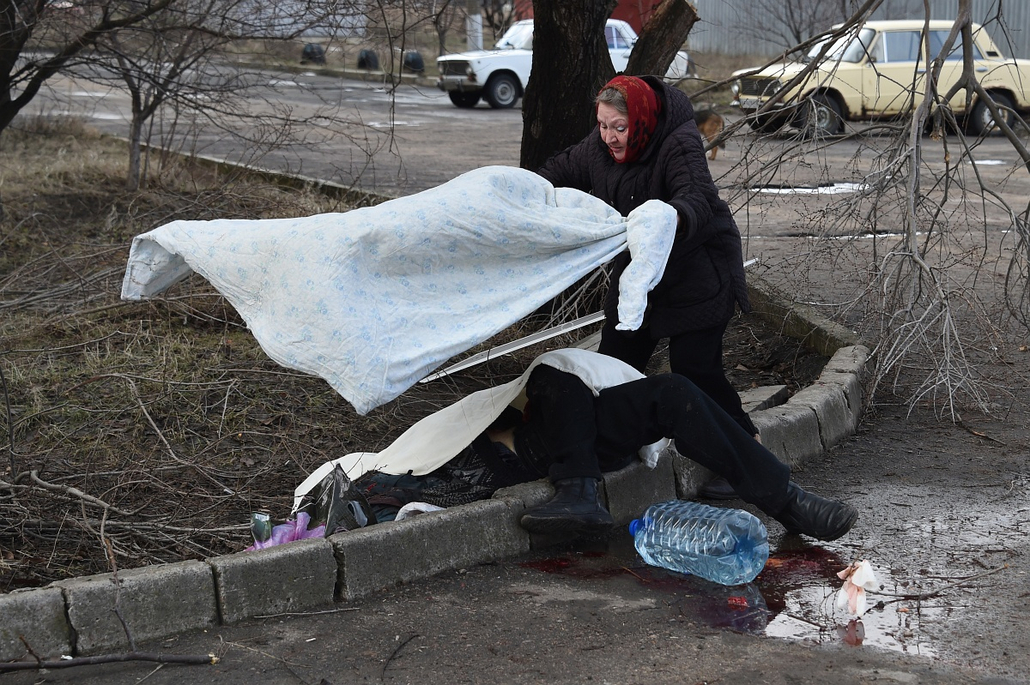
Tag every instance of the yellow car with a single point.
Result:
(878, 71)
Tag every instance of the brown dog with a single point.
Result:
(710, 124)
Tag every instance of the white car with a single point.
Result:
(499, 76)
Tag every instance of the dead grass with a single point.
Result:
(160, 414)
(159, 426)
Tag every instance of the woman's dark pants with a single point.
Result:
(694, 354)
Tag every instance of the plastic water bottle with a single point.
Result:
(726, 546)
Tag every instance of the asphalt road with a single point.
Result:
(342, 130)
(404, 140)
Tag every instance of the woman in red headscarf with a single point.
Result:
(647, 147)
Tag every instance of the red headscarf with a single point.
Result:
(643, 106)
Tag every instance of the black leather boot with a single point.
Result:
(574, 509)
(815, 516)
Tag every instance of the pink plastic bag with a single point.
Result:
(334, 505)
(294, 529)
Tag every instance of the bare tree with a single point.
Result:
(661, 37)
(37, 40)
(499, 15)
(63, 35)
(177, 56)
(158, 60)
(790, 22)
(924, 312)
(443, 15)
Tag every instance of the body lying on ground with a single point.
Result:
(572, 416)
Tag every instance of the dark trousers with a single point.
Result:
(694, 354)
(580, 435)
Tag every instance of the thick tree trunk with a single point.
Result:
(662, 37)
(570, 64)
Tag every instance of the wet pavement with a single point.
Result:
(794, 597)
(585, 612)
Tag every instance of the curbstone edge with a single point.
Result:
(283, 578)
(154, 601)
(39, 617)
(395, 552)
(632, 489)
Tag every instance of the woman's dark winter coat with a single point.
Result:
(704, 277)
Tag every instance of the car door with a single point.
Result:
(951, 71)
(894, 73)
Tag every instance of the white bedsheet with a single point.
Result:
(374, 299)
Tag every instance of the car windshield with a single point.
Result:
(849, 48)
(518, 37)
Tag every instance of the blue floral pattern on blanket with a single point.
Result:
(374, 299)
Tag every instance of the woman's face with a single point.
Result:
(614, 129)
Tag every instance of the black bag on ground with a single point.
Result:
(338, 504)
(477, 471)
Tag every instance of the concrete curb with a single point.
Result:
(367, 75)
(80, 617)
(155, 601)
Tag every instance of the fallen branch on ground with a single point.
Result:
(919, 596)
(110, 659)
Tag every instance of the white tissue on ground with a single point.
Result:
(414, 509)
(858, 578)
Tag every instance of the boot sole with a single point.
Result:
(838, 532)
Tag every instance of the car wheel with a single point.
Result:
(822, 116)
(502, 91)
(464, 100)
(980, 121)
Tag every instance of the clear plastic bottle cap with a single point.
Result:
(634, 526)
